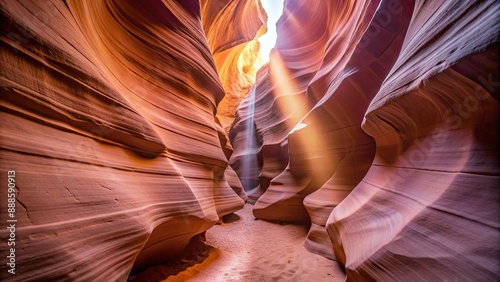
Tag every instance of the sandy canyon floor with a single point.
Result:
(245, 249)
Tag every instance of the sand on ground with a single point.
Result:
(245, 249)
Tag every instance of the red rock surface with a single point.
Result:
(389, 139)
(107, 116)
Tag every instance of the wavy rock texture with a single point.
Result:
(108, 120)
(389, 139)
(232, 28)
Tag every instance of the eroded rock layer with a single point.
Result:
(390, 139)
(108, 121)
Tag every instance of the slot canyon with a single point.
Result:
(151, 141)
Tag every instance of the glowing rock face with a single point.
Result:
(394, 160)
(108, 120)
(232, 29)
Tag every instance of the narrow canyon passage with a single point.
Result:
(243, 248)
(129, 129)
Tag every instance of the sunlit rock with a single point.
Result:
(339, 117)
(232, 28)
(314, 146)
(279, 100)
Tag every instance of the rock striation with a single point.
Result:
(108, 119)
(379, 125)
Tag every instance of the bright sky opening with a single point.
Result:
(274, 9)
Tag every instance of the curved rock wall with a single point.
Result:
(390, 140)
(108, 114)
